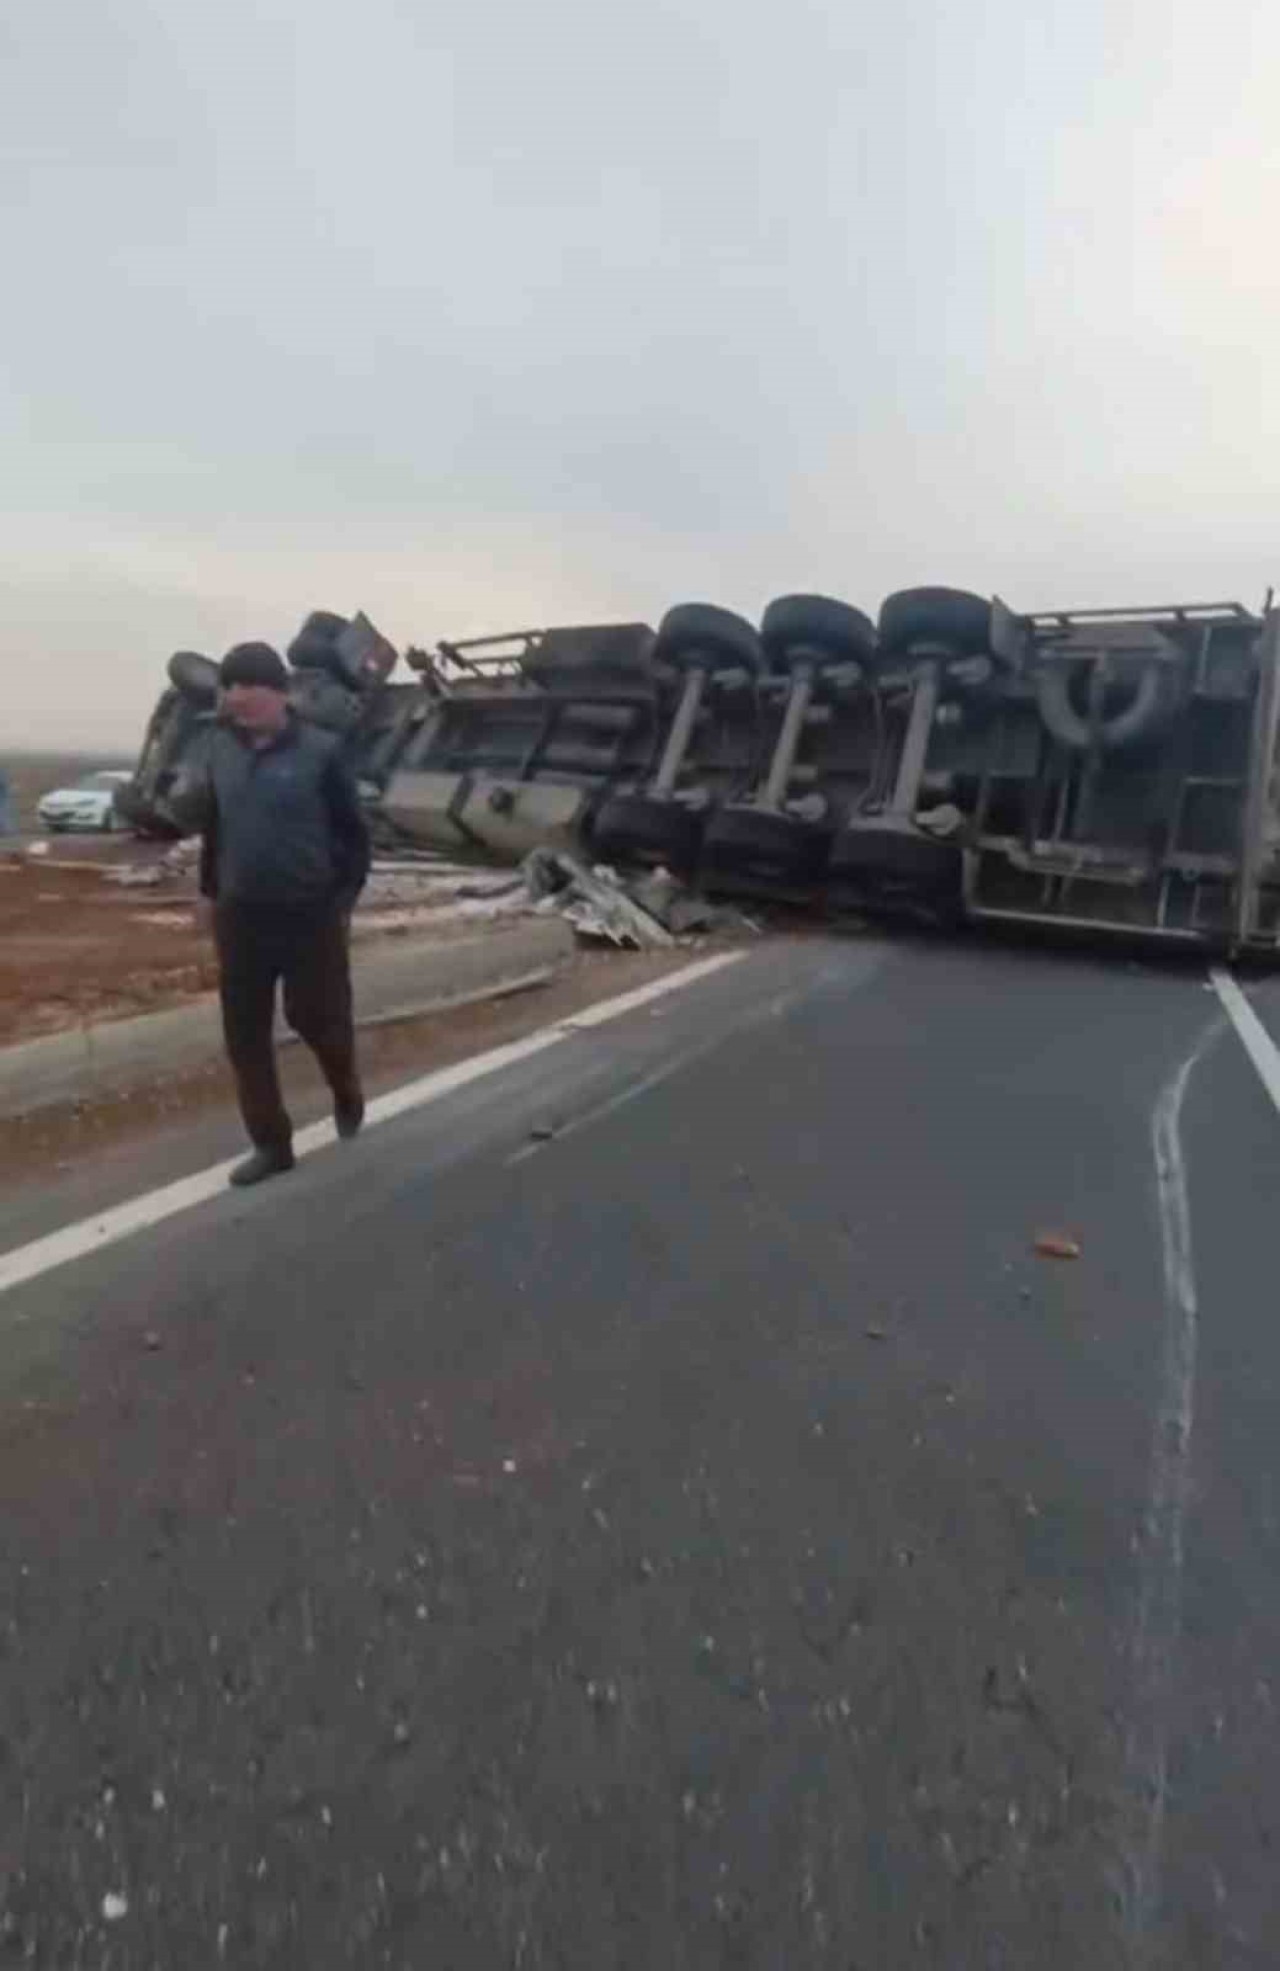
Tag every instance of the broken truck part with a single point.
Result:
(952, 761)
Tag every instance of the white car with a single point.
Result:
(88, 807)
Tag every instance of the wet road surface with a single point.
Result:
(652, 1507)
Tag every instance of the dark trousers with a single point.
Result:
(307, 950)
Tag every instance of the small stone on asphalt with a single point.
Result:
(1057, 1245)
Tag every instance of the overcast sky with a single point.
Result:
(477, 314)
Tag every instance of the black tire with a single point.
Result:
(826, 631)
(636, 828)
(313, 647)
(196, 677)
(323, 698)
(698, 633)
(755, 850)
(959, 621)
(1148, 697)
(322, 658)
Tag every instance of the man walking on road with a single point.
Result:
(285, 854)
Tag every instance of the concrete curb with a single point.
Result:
(398, 980)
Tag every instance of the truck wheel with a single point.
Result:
(313, 647)
(694, 634)
(638, 828)
(1142, 701)
(321, 698)
(821, 627)
(951, 617)
(196, 677)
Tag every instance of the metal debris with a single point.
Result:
(653, 912)
(594, 901)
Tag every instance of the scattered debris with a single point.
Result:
(180, 859)
(426, 883)
(679, 909)
(594, 901)
(877, 1334)
(136, 875)
(1057, 1245)
(410, 861)
(653, 912)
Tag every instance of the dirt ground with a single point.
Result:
(76, 948)
(71, 949)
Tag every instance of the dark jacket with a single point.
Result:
(281, 824)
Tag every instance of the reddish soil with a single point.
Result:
(76, 947)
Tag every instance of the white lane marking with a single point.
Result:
(107, 1228)
(1158, 1626)
(1257, 1042)
(627, 1002)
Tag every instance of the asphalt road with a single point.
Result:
(652, 1510)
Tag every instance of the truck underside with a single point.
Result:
(1111, 771)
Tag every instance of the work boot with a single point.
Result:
(261, 1165)
(348, 1115)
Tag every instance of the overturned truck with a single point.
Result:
(950, 761)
